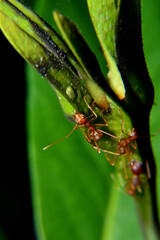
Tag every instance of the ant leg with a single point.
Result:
(148, 169)
(93, 112)
(106, 151)
(139, 189)
(106, 123)
(108, 159)
(90, 107)
(89, 136)
(125, 168)
(118, 186)
(98, 149)
(75, 127)
(89, 140)
(155, 133)
(122, 120)
(109, 134)
(134, 145)
(102, 124)
(152, 135)
(114, 161)
(86, 136)
(130, 161)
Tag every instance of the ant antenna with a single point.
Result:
(60, 139)
(152, 135)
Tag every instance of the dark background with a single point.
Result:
(16, 220)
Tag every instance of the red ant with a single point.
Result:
(127, 146)
(93, 134)
(134, 182)
(125, 143)
(124, 146)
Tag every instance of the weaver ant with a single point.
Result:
(134, 182)
(93, 134)
(125, 145)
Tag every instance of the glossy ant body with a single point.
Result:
(127, 146)
(125, 143)
(133, 184)
(93, 134)
(124, 146)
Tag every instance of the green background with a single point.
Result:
(73, 194)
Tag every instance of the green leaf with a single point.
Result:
(42, 48)
(124, 228)
(127, 43)
(73, 195)
(103, 14)
(151, 35)
(71, 191)
(89, 70)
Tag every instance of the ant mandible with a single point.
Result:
(93, 134)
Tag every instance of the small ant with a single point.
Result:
(93, 134)
(134, 182)
(125, 143)
(127, 146)
(124, 146)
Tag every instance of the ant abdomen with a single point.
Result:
(136, 167)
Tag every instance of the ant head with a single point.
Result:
(133, 134)
(136, 167)
(79, 118)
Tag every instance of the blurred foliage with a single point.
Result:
(151, 34)
(73, 194)
(85, 173)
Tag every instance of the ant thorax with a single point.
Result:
(123, 146)
(121, 150)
